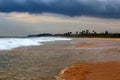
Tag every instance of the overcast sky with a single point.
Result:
(23, 17)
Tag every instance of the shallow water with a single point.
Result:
(45, 61)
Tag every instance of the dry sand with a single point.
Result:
(46, 61)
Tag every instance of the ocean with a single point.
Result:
(11, 43)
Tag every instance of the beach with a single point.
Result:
(45, 62)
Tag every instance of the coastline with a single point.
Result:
(46, 61)
(91, 71)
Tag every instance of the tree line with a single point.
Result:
(91, 34)
(83, 34)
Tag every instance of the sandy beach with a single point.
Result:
(45, 62)
(91, 71)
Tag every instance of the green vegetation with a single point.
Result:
(82, 34)
(93, 34)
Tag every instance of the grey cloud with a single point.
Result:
(96, 8)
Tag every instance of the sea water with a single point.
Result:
(11, 43)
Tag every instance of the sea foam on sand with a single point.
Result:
(11, 43)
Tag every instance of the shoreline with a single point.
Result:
(46, 61)
(91, 71)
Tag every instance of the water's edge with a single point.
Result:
(11, 43)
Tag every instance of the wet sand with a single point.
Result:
(92, 71)
(81, 45)
(103, 70)
(46, 61)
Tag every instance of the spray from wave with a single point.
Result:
(11, 43)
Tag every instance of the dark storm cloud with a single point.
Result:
(97, 8)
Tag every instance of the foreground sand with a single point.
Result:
(91, 71)
(105, 70)
(46, 61)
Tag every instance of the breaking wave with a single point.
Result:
(11, 43)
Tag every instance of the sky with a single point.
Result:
(24, 17)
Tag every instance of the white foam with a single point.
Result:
(11, 43)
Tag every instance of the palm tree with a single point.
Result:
(87, 31)
(76, 32)
(106, 32)
(94, 32)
